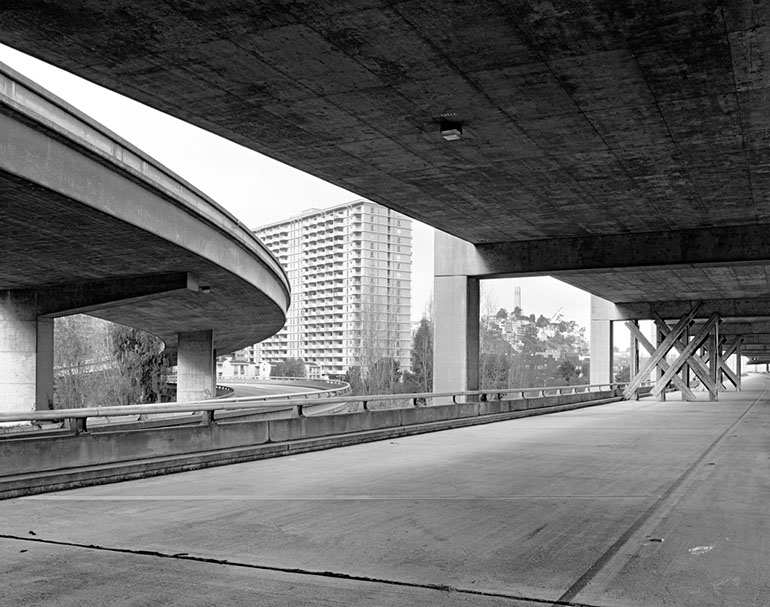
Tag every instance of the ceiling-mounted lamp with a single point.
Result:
(451, 130)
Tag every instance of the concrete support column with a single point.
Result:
(26, 354)
(196, 369)
(601, 341)
(456, 334)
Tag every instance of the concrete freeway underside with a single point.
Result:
(629, 504)
(620, 146)
(580, 118)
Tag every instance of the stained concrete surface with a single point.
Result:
(635, 503)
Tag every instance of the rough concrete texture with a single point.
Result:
(625, 505)
(196, 376)
(581, 120)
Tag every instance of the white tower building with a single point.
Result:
(349, 267)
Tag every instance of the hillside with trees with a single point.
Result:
(518, 350)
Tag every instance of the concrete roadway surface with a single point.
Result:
(629, 504)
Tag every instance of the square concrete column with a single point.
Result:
(26, 354)
(456, 334)
(196, 370)
(601, 340)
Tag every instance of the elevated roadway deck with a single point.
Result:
(626, 504)
(90, 224)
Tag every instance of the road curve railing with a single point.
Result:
(208, 409)
(38, 457)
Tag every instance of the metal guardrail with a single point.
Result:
(77, 418)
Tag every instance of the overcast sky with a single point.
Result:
(259, 190)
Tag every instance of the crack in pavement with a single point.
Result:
(183, 556)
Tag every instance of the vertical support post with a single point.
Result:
(26, 354)
(738, 365)
(456, 334)
(44, 367)
(634, 363)
(720, 354)
(196, 369)
(686, 367)
(601, 341)
(713, 351)
(659, 341)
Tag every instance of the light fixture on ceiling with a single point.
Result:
(203, 289)
(451, 130)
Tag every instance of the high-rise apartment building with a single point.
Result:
(349, 267)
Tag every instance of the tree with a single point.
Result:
(353, 377)
(502, 314)
(378, 344)
(291, 367)
(83, 362)
(98, 363)
(568, 372)
(494, 358)
(421, 376)
(141, 360)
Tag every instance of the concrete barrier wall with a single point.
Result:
(35, 455)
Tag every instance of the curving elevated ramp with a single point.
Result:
(92, 225)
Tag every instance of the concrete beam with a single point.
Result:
(85, 297)
(679, 248)
(756, 329)
(751, 349)
(755, 308)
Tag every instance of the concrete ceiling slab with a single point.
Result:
(581, 119)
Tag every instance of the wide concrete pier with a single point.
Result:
(628, 504)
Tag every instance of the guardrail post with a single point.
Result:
(78, 425)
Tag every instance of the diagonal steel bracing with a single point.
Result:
(660, 353)
(708, 331)
(696, 363)
(731, 349)
(663, 364)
